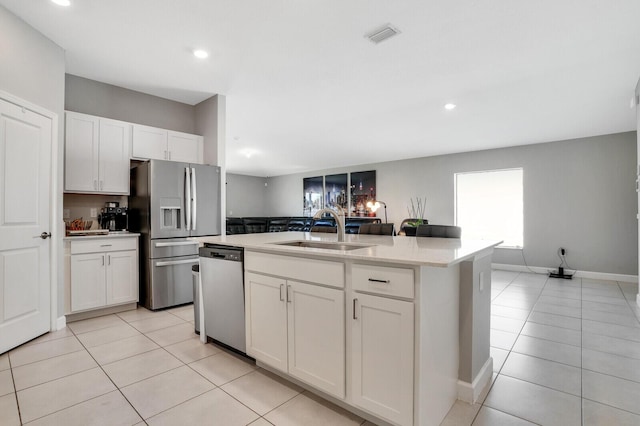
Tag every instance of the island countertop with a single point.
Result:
(438, 252)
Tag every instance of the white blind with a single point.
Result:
(489, 205)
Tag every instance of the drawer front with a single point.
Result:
(103, 245)
(383, 280)
(297, 268)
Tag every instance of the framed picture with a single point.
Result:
(336, 191)
(312, 193)
(363, 189)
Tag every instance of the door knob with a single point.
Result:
(45, 235)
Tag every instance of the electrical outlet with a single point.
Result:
(482, 281)
(66, 214)
(94, 212)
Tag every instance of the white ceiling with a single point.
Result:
(306, 90)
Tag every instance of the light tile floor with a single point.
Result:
(564, 352)
(143, 367)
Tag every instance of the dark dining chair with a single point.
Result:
(325, 229)
(377, 229)
(439, 231)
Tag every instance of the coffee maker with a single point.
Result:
(113, 217)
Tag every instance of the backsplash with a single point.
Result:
(80, 205)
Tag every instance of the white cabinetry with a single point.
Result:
(294, 326)
(382, 342)
(149, 142)
(185, 147)
(104, 272)
(96, 154)
(162, 144)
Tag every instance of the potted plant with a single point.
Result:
(416, 214)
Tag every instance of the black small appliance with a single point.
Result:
(113, 217)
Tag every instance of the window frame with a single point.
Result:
(455, 200)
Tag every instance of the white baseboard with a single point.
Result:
(61, 322)
(470, 392)
(579, 274)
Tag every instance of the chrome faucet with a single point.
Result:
(339, 218)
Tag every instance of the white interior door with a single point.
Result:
(25, 171)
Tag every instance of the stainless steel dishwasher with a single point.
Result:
(222, 274)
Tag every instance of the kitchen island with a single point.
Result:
(394, 329)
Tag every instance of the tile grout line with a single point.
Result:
(531, 310)
(108, 377)
(15, 391)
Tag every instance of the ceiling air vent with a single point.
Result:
(382, 34)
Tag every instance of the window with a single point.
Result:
(489, 205)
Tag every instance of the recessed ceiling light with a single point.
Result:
(62, 2)
(248, 152)
(449, 107)
(199, 53)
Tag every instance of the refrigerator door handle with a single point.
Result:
(187, 196)
(194, 192)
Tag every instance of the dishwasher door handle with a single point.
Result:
(177, 262)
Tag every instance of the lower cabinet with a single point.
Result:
(297, 328)
(104, 272)
(382, 357)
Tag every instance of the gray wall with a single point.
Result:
(578, 194)
(246, 196)
(105, 100)
(32, 68)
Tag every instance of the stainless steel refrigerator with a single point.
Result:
(170, 202)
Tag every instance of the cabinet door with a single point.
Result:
(185, 147)
(81, 153)
(149, 142)
(266, 317)
(88, 285)
(316, 336)
(122, 277)
(114, 156)
(382, 357)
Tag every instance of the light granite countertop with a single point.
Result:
(438, 252)
(116, 234)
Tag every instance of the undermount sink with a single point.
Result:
(323, 245)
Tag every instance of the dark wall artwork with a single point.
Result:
(363, 189)
(312, 188)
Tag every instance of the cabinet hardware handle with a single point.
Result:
(103, 260)
(105, 245)
(374, 280)
(354, 308)
(288, 294)
(281, 297)
(108, 259)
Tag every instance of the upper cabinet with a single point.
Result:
(96, 154)
(97, 151)
(161, 144)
